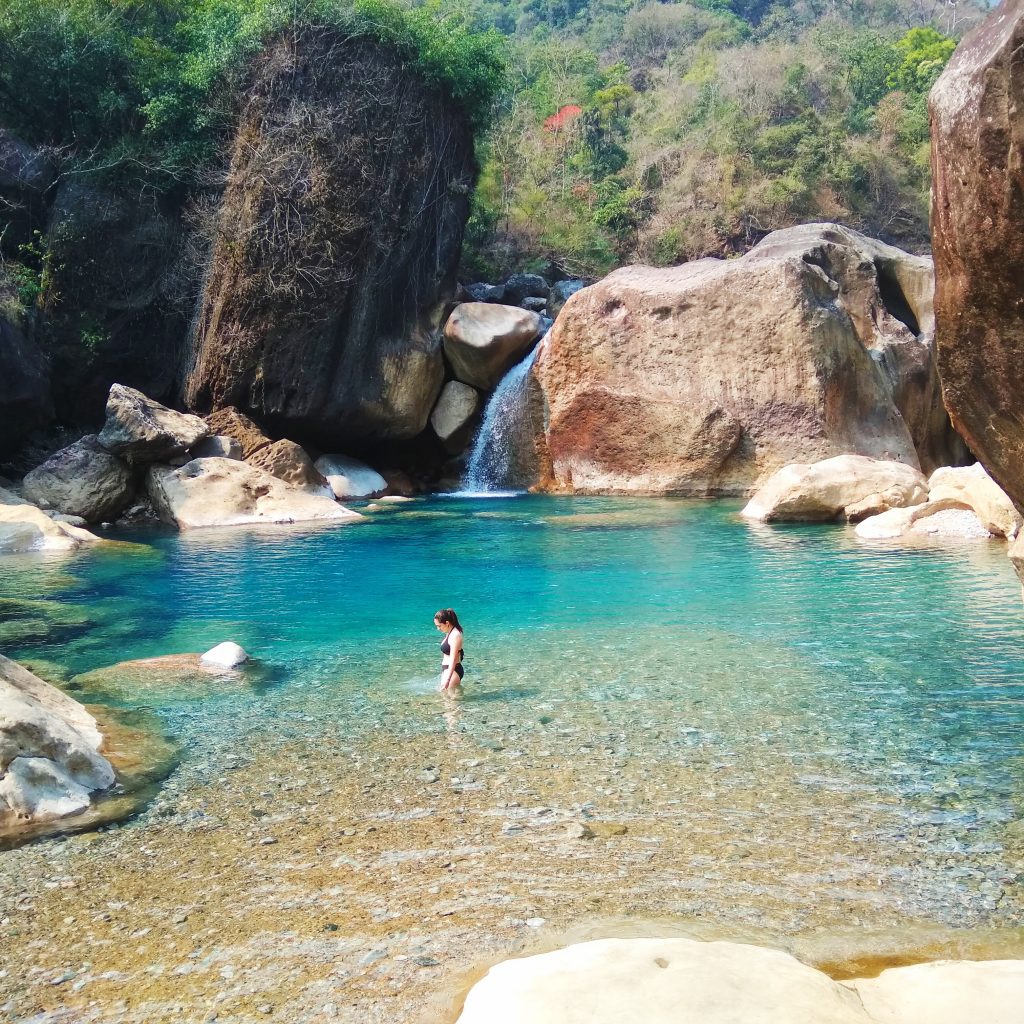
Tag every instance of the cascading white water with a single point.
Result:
(492, 462)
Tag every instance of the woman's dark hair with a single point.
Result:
(448, 615)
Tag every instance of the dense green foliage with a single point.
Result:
(144, 88)
(704, 124)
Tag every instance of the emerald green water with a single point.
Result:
(887, 681)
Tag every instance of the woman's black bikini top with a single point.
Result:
(446, 648)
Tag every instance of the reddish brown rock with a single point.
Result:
(705, 378)
(977, 213)
(229, 422)
(289, 462)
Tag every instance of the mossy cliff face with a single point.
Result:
(335, 245)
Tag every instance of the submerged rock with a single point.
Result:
(705, 377)
(660, 981)
(977, 211)
(50, 760)
(350, 478)
(222, 492)
(484, 341)
(142, 430)
(84, 480)
(849, 485)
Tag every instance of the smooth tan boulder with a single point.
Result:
(23, 528)
(846, 485)
(483, 341)
(971, 487)
(289, 462)
(703, 378)
(84, 480)
(454, 415)
(977, 212)
(660, 981)
(222, 492)
(350, 478)
(50, 760)
(945, 992)
(229, 422)
(142, 430)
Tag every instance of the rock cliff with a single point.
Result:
(704, 378)
(336, 246)
(977, 211)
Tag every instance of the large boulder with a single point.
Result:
(350, 478)
(289, 462)
(454, 415)
(977, 211)
(945, 992)
(23, 527)
(705, 378)
(50, 760)
(222, 492)
(520, 287)
(849, 485)
(334, 255)
(229, 422)
(84, 480)
(483, 341)
(937, 520)
(139, 429)
(971, 487)
(660, 981)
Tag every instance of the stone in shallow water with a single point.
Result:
(173, 677)
(225, 655)
(660, 981)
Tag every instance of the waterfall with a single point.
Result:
(497, 446)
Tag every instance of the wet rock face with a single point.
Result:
(704, 378)
(25, 402)
(977, 212)
(336, 246)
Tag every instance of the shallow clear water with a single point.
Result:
(886, 683)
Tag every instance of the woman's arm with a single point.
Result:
(455, 650)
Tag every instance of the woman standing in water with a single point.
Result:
(451, 649)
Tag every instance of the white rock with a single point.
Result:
(949, 523)
(453, 416)
(225, 655)
(660, 981)
(824, 490)
(222, 492)
(23, 527)
(971, 487)
(886, 526)
(946, 992)
(350, 478)
(50, 762)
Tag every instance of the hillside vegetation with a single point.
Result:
(666, 131)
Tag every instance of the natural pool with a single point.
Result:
(670, 716)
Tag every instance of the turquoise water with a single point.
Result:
(890, 681)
